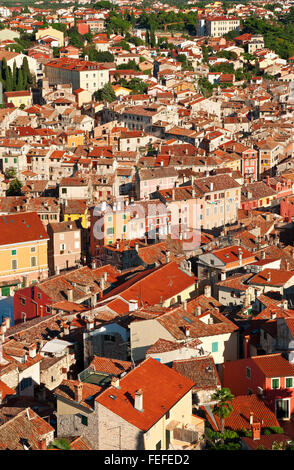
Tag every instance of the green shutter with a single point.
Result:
(275, 383)
(84, 420)
(289, 382)
(5, 291)
(214, 347)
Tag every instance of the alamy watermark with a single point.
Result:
(150, 219)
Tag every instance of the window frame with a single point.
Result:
(275, 378)
(287, 378)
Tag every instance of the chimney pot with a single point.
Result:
(251, 418)
(115, 382)
(139, 400)
(207, 291)
(78, 390)
(33, 350)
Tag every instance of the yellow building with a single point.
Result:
(76, 209)
(18, 98)
(74, 138)
(116, 226)
(23, 248)
(120, 90)
(54, 33)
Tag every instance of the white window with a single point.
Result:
(61, 236)
(77, 245)
(77, 234)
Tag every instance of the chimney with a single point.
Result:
(187, 331)
(246, 348)
(115, 382)
(197, 311)
(268, 277)
(285, 304)
(69, 294)
(25, 281)
(57, 270)
(240, 255)
(7, 321)
(287, 266)
(139, 400)
(133, 305)
(3, 327)
(33, 350)
(66, 328)
(184, 304)
(256, 427)
(210, 187)
(251, 418)
(78, 390)
(207, 291)
(262, 254)
(167, 256)
(94, 265)
(42, 444)
(90, 324)
(223, 275)
(137, 247)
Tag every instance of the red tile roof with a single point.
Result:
(110, 366)
(26, 425)
(162, 388)
(20, 228)
(201, 370)
(239, 419)
(271, 277)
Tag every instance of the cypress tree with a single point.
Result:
(9, 80)
(14, 76)
(152, 39)
(4, 72)
(20, 83)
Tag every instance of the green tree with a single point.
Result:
(14, 188)
(20, 80)
(14, 76)
(152, 39)
(10, 173)
(223, 408)
(60, 443)
(106, 94)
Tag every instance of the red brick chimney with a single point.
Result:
(256, 427)
(246, 348)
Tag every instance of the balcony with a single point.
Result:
(186, 436)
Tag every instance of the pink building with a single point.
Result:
(149, 180)
(64, 246)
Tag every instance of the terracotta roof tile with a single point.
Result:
(161, 386)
